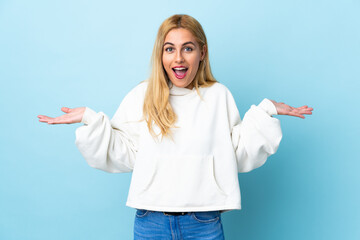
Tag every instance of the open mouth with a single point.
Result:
(180, 72)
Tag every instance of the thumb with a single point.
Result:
(66, 109)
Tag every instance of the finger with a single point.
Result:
(305, 106)
(309, 108)
(64, 119)
(51, 120)
(66, 109)
(297, 115)
(44, 118)
(56, 121)
(305, 111)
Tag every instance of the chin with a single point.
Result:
(180, 84)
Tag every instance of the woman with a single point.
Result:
(181, 135)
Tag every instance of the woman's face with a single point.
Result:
(181, 57)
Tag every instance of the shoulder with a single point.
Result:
(139, 90)
(136, 94)
(130, 107)
(217, 89)
(220, 94)
(135, 97)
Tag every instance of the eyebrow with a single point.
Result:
(183, 43)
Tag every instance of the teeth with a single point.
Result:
(179, 68)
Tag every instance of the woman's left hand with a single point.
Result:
(284, 109)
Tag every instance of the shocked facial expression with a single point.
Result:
(181, 57)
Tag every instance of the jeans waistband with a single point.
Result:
(175, 213)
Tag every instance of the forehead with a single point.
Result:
(179, 36)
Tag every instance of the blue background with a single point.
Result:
(91, 53)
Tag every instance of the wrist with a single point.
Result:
(268, 106)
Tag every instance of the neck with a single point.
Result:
(191, 85)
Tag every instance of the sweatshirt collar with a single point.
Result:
(178, 91)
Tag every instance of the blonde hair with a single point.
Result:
(157, 108)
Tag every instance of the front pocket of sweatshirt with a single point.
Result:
(187, 180)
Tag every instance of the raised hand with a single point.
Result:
(284, 109)
(73, 115)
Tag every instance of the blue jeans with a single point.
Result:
(195, 225)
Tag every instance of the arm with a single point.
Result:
(107, 145)
(104, 146)
(256, 137)
(259, 134)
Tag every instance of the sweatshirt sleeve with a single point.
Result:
(110, 145)
(257, 136)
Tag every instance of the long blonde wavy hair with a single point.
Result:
(157, 108)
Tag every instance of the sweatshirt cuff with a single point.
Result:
(88, 115)
(268, 107)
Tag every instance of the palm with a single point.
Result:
(72, 115)
(284, 109)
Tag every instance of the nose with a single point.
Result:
(179, 58)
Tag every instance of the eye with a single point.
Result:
(169, 49)
(188, 49)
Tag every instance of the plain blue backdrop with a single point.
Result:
(91, 53)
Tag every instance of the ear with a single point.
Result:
(203, 52)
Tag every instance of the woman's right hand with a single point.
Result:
(73, 115)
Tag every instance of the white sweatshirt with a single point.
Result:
(196, 170)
